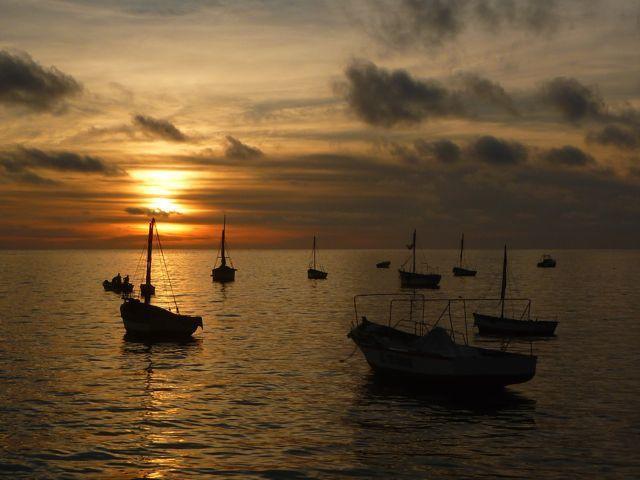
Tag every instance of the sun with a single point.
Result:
(158, 188)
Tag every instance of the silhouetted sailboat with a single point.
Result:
(547, 262)
(223, 273)
(494, 325)
(413, 279)
(143, 320)
(315, 271)
(385, 264)
(460, 271)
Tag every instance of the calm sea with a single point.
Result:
(270, 388)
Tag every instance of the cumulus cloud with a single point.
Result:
(235, 149)
(25, 82)
(569, 156)
(22, 159)
(496, 151)
(444, 151)
(574, 100)
(626, 138)
(482, 88)
(150, 212)
(159, 128)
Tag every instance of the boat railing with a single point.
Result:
(410, 311)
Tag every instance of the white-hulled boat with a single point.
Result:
(505, 326)
(431, 357)
(223, 273)
(461, 271)
(315, 271)
(414, 279)
(146, 321)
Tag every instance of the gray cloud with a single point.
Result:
(482, 88)
(495, 151)
(235, 149)
(25, 82)
(385, 98)
(150, 212)
(569, 156)
(159, 128)
(444, 150)
(627, 138)
(572, 99)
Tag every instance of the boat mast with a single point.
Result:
(414, 251)
(461, 248)
(222, 254)
(147, 291)
(504, 281)
(314, 252)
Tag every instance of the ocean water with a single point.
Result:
(272, 387)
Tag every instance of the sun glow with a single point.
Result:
(159, 187)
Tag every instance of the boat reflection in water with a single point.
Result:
(146, 321)
(429, 355)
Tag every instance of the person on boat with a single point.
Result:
(126, 280)
(117, 280)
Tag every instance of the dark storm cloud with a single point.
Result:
(569, 156)
(496, 151)
(572, 99)
(431, 23)
(235, 149)
(159, 128)
(22, 158)
(627, 138)
(444, 151)
(149, 212)
(25, 82)
(386, 98)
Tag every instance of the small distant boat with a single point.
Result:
(433, 358)
(547, 262)
(223, 273)
(118, 287)
(146, 321)
(315, 271)
(501, 325)
(414, 279)
(385, 264)
(460, 271)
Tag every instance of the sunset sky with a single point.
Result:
(513, 121)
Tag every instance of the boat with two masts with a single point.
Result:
(505, 326)
(414, 279)
(315, 271)
(460, 271)
(145, 321)
(223, 273)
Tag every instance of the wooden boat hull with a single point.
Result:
(151, 321)
(487, 369)
(419, 280)
(314, 274)
(122, 288)
(223, 274)
(494, 325)
(385, 264)
(463, 272)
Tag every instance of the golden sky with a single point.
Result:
(513, 120)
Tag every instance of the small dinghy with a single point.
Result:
(223, 273)
(430, 357)
(461, 271)
(118, 286)
(146, 321)
(385, 264)
(504, 326)
(547, 262)
(414, 279)
(315, 271)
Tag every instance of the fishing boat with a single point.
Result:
(118, 287)
(414, 279)
(547, 262)
(429, 356)
(315, 271)
(143, 320)
(223, 273)
(461, 271)
(505, 326)
(385, 264)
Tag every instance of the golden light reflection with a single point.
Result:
(160, 187)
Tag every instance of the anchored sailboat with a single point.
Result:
(413, 279)
(315, 271)
(460, 271)
(494, 325)
(141, 319)
(223, 273)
